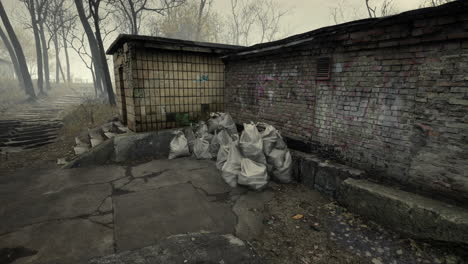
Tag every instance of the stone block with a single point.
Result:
(405, 212)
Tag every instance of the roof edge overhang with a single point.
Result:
(170, 44)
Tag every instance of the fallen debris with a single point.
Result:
(96, 136)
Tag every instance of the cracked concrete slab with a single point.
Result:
(71, 241)
(249, 210)
(209, 180)
(144, 217)
(67, 203)
(118, 207)
(188, 248)
(156, 180)
(176, 164)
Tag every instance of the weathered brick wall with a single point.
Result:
(396, 103)
(160, 84)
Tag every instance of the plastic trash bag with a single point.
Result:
(251, 144)
(202, 129)
(214, 146)
(188, 132)
(280, 165)
(222, 156)
(228, 124)
(253, 174)
(272, 138)
(201, 148)
(220, 121)
(269, 137)
(220, 139)
(213, 122)
(232, 167)
(179, 146)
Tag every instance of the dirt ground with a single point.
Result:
(303, 226)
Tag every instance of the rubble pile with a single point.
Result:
(249, 159)
(93, 137)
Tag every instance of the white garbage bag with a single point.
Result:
(179, 146)
(213, 122)
(228, 124)
(251, 144)
(214, 146)
(219, 139)
(232, 167)
(253, 174)
(201, 148)
(222, 156)
(188, 132)
(269, 137)
(202, 129)
(220, 121)
(280, 161)
(276, 157)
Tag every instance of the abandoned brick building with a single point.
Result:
(387, 95)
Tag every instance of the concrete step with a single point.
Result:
(414, 215)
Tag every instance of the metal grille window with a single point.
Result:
(323, 68)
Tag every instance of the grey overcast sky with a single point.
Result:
(304, 15)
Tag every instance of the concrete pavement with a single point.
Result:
(73, 215)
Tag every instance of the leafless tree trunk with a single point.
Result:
(96, 48)
(28, 85)
(67, 57)
(13, 58)
(57, 58)
(199, 18)
(42, 13)
(40, 75)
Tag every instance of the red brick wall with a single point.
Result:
(396, 104)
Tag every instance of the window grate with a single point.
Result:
(323, 68)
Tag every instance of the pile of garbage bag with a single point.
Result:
(249, 159)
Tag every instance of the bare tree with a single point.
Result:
(96, 43)
(67, 21)
(13, 58)
(243, 18)
(54, 26)
(30, 5)
(78, 44)
(269, 18)
(131, 12)
(250, 18)
(431, 3)
(204, 5)
(28, 85)
(386, 8)
(42, 12)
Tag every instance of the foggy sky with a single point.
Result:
(305, 15)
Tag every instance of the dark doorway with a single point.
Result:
(122, 96)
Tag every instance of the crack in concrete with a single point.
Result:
(152, 175)
(219, 197)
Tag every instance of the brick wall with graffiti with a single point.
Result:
(396, 102)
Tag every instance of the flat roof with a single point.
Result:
(448, 9)
(171, 44)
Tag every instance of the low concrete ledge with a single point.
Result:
(408, 213)
(320, 174)
(126, 147)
